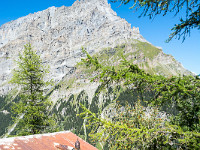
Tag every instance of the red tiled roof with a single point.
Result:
(44, 142)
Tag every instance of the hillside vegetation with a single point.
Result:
(76, 88)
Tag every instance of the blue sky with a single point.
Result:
(155, 31)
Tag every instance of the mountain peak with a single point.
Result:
(93, 3)
(59, 33)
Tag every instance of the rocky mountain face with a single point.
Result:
(58, 35)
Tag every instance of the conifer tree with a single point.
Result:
(33, 106)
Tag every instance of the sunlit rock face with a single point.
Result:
(58, 35)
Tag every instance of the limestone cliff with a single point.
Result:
(59, 33)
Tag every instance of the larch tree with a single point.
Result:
(33, 105)
(166, 114)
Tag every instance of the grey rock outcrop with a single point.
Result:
(58, 35)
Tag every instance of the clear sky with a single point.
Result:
(156, 31)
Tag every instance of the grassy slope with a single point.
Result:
(141, 53)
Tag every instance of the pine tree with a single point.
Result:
(33, 106)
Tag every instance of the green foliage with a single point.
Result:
(4, 122)
(32, 106)
(135, 128)
(151, 8)
(178, 96)
(5, 111)
(182, 92)
(67, 111)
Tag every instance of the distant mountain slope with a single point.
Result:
(58, 35)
